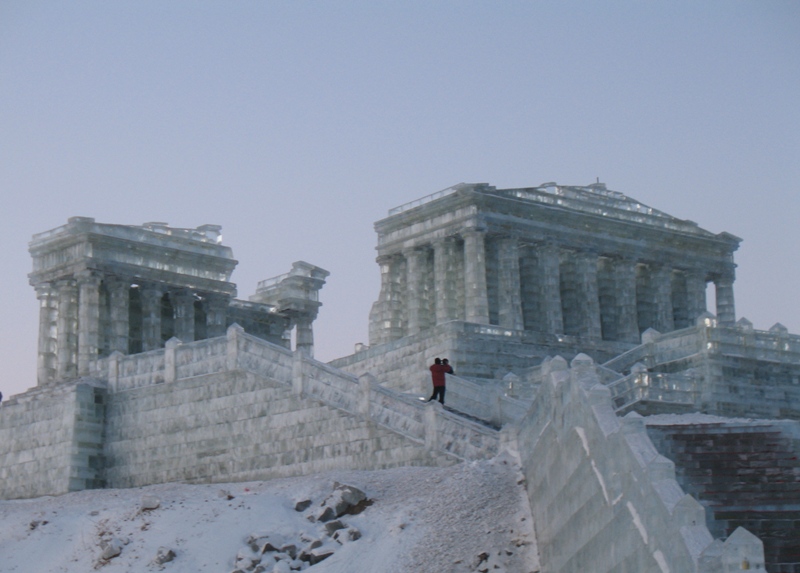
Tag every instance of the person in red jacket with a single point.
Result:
(438, 370)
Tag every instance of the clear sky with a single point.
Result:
(296, 125)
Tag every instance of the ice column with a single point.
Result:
(587, 294)
(88, 320)
(151, 317)
(48, 316)
(215, 307)
(625, 284)
(726, 311)
(304, 341)
(119, 313)
(443, 280)
(695, 295)
(183, 307)
(661, 280)
(67, 366)
(476, 296)
(510, 296)
(550, 273)
(415, 289)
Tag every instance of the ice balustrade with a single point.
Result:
(487, 402)
(397, 412)
(206, 234)
(469, 396)
(595, 200)
(132, 371)
(715, 338)
(239, 350)
(148, 368)
(605, 206)
(47, 234)
(270, 282)
(644, 353)
(200, 357)
(426, 199)
(202, 234)
(676, 388)
(330, 386)
(463, 438)
(758, 344)
(258, 356)
(247, 305)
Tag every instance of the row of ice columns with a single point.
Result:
(71, 324)
(576, 304)
(475, 286)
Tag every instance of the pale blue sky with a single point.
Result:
(295, 125)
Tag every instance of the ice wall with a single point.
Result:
(603, 498)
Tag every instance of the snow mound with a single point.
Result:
(472, 517)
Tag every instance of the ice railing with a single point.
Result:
(127, 372)
(270, 282)
(711, 337)
(248, 305)
(426, 199)
(209, 234)
(238, 350)
(625, 209)
(495, 402)
(677, 344)
(362, 397)
(637, 387)
(453, 326)
(763, 345)
(299, 269)
(400, 413)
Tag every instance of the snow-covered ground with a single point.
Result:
(470, 517)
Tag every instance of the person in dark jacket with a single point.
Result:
(438, 370)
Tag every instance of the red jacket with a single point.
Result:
(437, 374)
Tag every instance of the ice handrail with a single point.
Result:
(426, 199)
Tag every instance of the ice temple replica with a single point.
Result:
(575, 317)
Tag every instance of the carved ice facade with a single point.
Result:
(562, 260)
(122, 288)
(502, 281)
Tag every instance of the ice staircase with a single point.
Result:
(745, 474)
